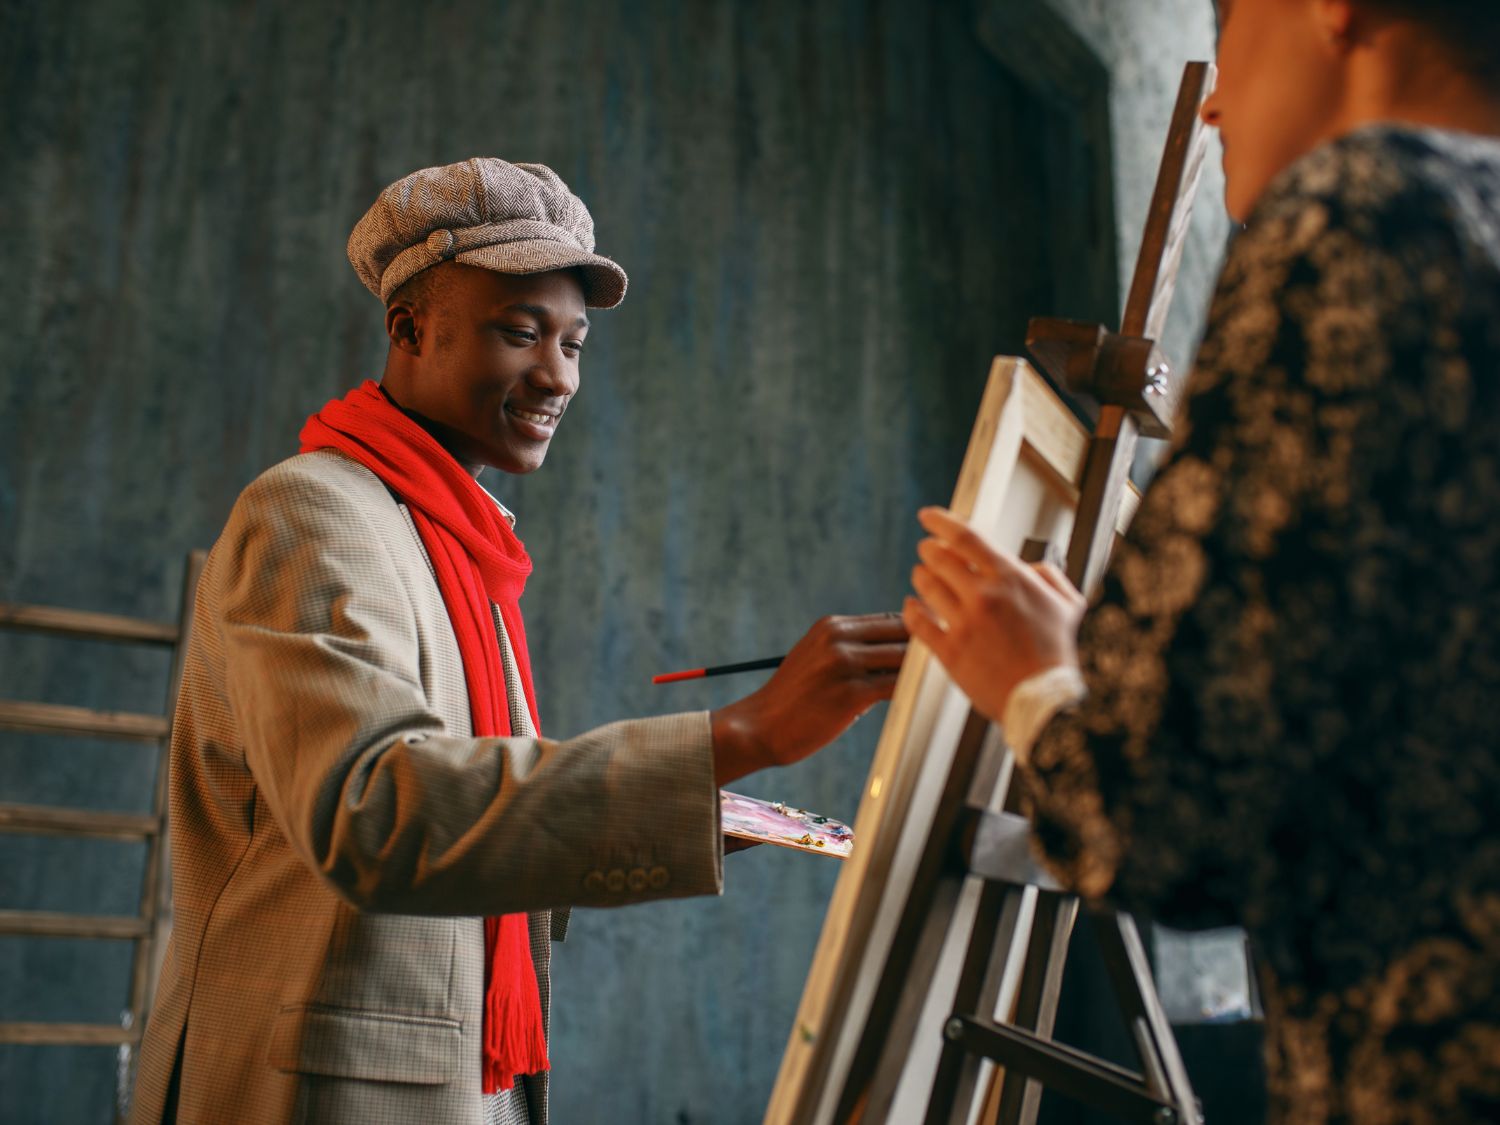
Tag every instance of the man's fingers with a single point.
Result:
(881, 685)
(873, 659)
(870, 628)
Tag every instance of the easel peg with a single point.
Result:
(1112, 368)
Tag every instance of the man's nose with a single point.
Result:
(557, 374)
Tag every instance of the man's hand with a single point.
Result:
(837, 672)
(992, 620)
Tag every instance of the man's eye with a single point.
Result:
(573, 346)
(525, 335)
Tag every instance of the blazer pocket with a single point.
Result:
(375, 1046)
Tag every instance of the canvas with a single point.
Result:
(1019, 482)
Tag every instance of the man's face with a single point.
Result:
(495, 362)
(1278, 92)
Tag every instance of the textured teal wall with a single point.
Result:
(832, 218)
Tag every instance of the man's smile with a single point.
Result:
(537, 424)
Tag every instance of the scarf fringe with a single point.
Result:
(513, 1039)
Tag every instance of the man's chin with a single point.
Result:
(518, 464)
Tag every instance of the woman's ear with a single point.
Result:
(1335, 20)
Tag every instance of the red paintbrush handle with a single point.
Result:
(673, 677)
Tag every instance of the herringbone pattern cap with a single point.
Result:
(511, 218)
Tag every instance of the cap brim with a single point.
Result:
(604, 282)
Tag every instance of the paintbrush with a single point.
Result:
(718, 670)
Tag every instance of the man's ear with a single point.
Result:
(403, 324)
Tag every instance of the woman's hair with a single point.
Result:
(1470, 28)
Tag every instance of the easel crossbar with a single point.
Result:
(1096, 1082)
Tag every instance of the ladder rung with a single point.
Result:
(37, 923)
(78, 623)
(55, 718)
(41, 820)
(68, 1034)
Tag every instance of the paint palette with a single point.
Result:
(772, 822)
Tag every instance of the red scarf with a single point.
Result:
(478, 560)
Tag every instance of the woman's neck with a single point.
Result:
(1404, 75)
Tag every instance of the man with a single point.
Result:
(369, 835)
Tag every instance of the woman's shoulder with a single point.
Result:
(1382, 179)
(1376, 237)
(1382, 200)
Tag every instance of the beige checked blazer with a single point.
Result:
(338, 834)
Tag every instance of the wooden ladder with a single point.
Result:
(149, 927)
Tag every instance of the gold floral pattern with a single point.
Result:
(1293, 718)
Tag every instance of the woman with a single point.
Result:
(1284, 711)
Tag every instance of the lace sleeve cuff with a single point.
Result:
(1034, 702)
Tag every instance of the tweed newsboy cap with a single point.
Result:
(511, 218)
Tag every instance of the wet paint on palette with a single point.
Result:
(772, 822)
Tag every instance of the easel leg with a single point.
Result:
(980, 762)
(1130, 972)
(1036, 1006)
(991, 977)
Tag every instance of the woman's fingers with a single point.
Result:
(924, 626)
(1058, 581)
(948, 565)
(956, 535)
(948, 528)
(990, 619)
(941, 522)
(936, 594)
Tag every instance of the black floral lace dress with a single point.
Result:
(1292, 720)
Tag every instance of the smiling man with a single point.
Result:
(500, 362)
(373, 845)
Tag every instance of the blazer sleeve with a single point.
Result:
(323, 672)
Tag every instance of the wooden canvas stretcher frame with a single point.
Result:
(1019, 481)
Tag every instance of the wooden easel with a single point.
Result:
(1129, 376)
(1008, 986)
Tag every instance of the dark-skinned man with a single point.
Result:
(373, 845)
